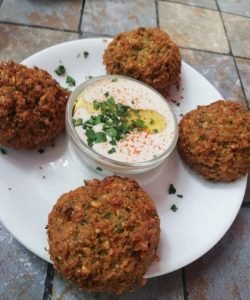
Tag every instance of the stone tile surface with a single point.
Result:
(244, 71)
(193, 27)
(18, 42)
(218, 69)
(161, 288)
(239, 7)
(112, 17)
(238, 29)
(55, 14)
(247, 194)
(22, 274)
(200, 3)
(224, 273)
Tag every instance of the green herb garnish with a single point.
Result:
(115, 120)
(3, 151)
(100, 137)
(171, 189)
(114, 80)
(85, 54)
(174, 208)
(155, 130)
(112, 150)
(107, 215)
(179, 196)
(41, 151)
(60, 70)
(99, 169)
(139, 123)
(70, 81)
(77, 122)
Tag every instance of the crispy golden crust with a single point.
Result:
(146, 54)
(104, 236)
(214, 140)
(32, 106)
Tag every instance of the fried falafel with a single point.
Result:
(32, 106)
(104, 236)
(214, 140)
(146, 54)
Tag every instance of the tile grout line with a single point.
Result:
(207, 8)
(231, 52)
(37, 26)
(241, 84)
(48, 285)
(213, 52)
(191, 5)
(224, 27)
(184, 283)
(157, 13)
(81, 16)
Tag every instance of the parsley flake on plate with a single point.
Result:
(70, 81)
(60, 70)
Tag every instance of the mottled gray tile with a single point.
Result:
(218, 69)
(22, 274)
(244, 71)
(161, 288)
(239, 7)
(200, 3)
(193, 27)
(238, 29)
(55, 14)
(18, 42)
(224, 273)
(112, 17)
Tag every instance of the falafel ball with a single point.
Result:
(214, 140)
(146, 54)
(104, 236)
(32, 106)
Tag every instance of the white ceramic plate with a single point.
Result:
(31, 182)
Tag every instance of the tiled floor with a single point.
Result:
(214, 38)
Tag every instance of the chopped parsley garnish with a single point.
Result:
(107, 215)
(155, 130)
(171, 189)
(179, 196)
(85, 54)
(152, 121)
(174, 208)
(139, 123)
(112, 150)
(70, 81)
(60, 70)
(3, 151)
(100, 137)
(99, 169)
(41, 151)
(115, 120)
(114, 80)
(77, 122)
